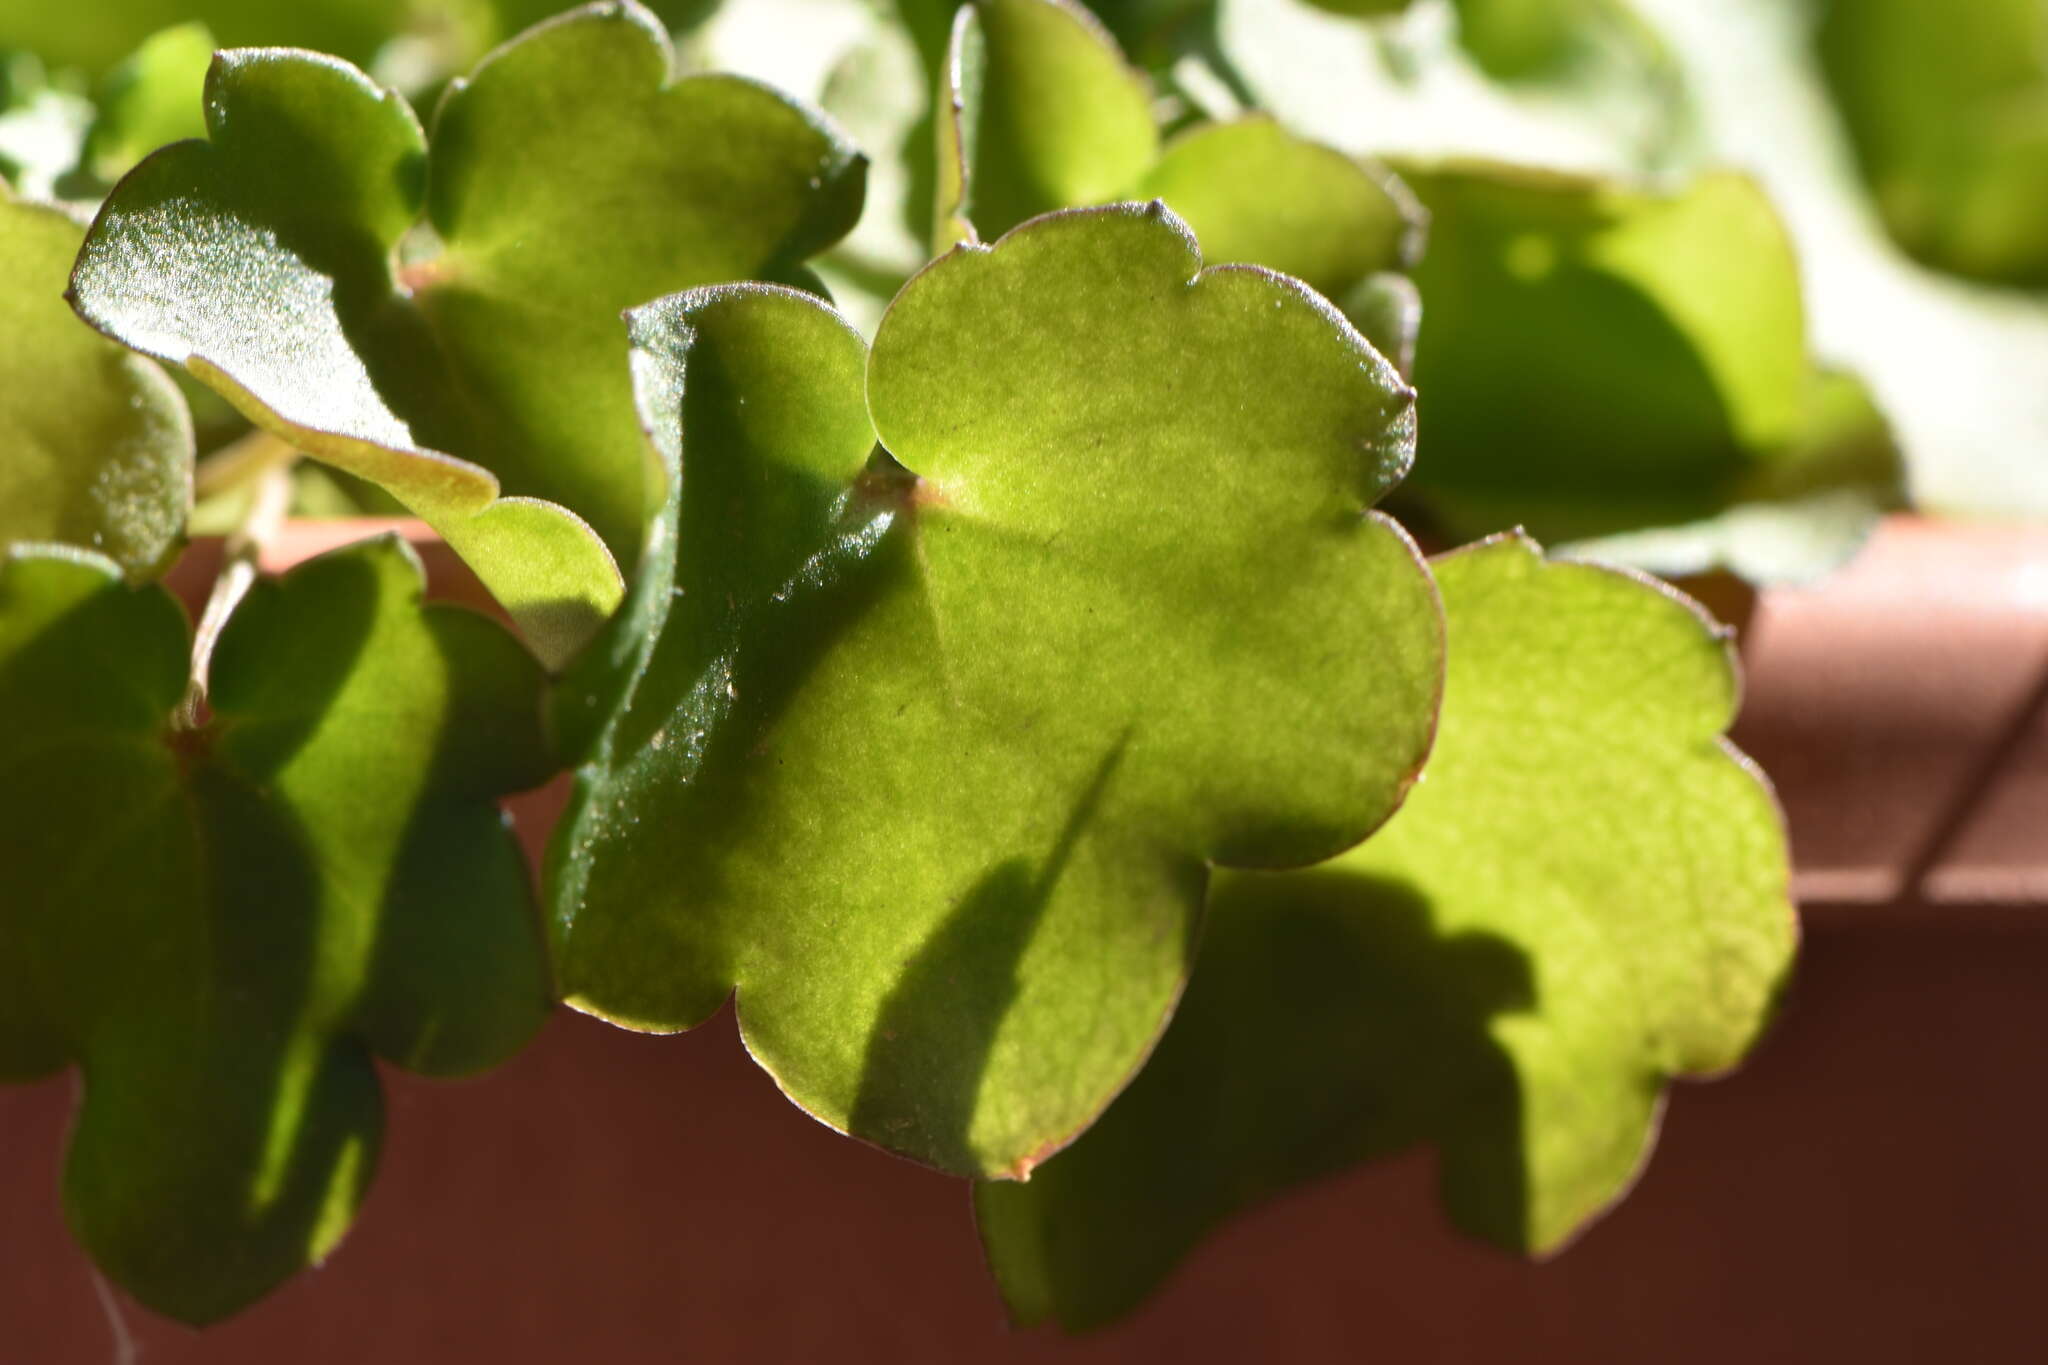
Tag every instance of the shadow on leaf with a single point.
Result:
(1329, 1021)
(921, 1078)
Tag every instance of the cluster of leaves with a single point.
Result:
(971, 693)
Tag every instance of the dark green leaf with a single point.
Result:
(220, 926)
(96, 442)
(946, 747)
(1585, 897)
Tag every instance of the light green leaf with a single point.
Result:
(1254, 192)
(572, 175)
(1955, 366)
(1045, 115)
(1947, 105)
(948, 741)
(1596, 359)
(220, 926)
(95, 443)
(1585, 897)
(155, 97)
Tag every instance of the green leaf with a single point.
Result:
(1948, 108)
(948, 746)
(1254, 192)
(153, 98)
(571, 176)
(1045, 115)
(1798, 517)
(1585, 897)
(1595, 359)
(221, 926)
(97, 443)
(100, 35)
(1251, 190)
(1955, 367)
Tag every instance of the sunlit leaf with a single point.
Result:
(1585, 897)
(1251, 191)
(943, 745)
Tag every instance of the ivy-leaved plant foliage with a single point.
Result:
(1646, 330)
(1602, 360)
(444, 320)
(95, 444)
(1585, 898)
(221, 926)
(960, 662)
(1042, 112)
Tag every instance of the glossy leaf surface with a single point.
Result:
(221, 926)
(935, 754)
(95, 443)
(572, 175)
(1585, 897)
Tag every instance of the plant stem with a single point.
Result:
(268, 504)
